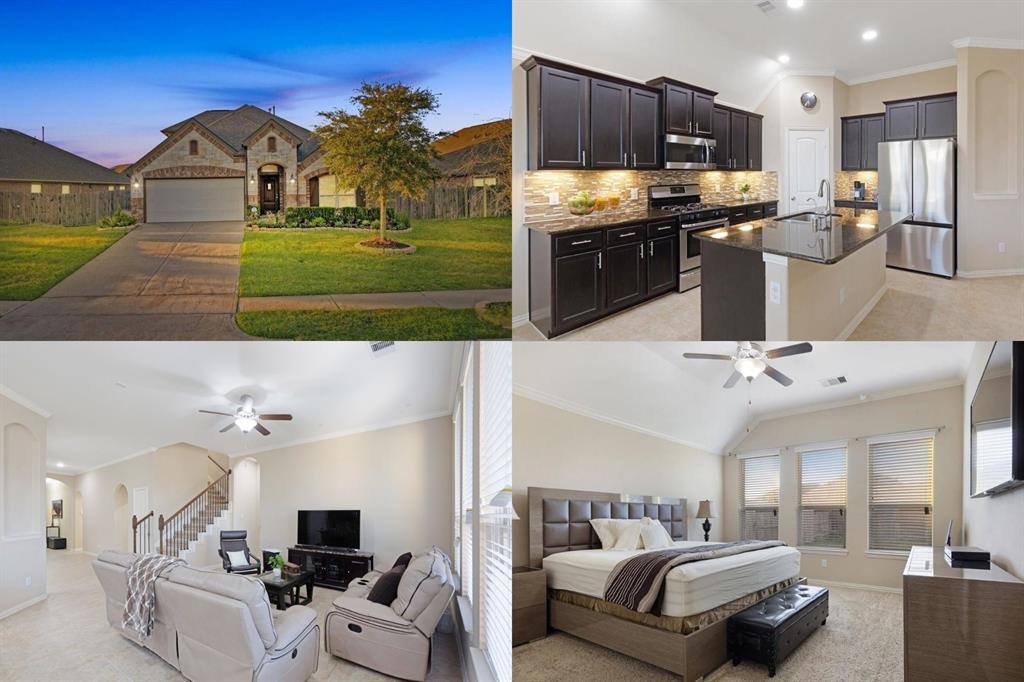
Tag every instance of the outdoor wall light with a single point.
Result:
(252, 179)
(135, 184)
(292, 180)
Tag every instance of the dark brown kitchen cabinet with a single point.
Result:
(937, 117)
(609, 124)
(901, 121)
(578, 292)
(662, 264)
(689, 109)
(703, 111)
(557, 118)
(624, 274)
(738, 140)
(860, 138)
(872, 134)
(754, 143)
(678, 110)
(721, 129)
(853, 144)
(644, 127)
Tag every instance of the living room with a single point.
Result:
(256, 479)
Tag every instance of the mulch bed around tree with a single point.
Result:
(385, 246)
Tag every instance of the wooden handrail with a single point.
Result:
(136, 524)
(176, 521)
(147, 527)
(217, 463)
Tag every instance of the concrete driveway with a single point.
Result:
(161, 281)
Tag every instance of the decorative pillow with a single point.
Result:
(403, 560)
(238, 559)
(654, 534)
(605, 532)
(627, 534)
(385, 589)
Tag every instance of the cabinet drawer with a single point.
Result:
(578, 241)
(529, 623)
(738, 215)
(630, 233)
(755, 212)
(529, 589)
(771, 209)
(661, 228)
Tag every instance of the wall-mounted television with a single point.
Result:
(334, 528)
(997, 422)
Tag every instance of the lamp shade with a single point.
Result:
(704, 510)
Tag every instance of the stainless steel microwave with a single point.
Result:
(689, 153)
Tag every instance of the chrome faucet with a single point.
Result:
(821, 193)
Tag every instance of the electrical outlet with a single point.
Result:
(553, 199)
(824, 563)
(842, 293)
(775, 292)
(28, 581)
(633, 194)
(1002, 247)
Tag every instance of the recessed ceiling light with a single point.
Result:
(869, 34)
(784, 58)
(795, 4)
(60, 465)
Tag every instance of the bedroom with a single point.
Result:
(865, 455)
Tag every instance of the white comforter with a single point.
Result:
(689, 589)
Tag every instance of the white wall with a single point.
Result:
(553, 448)
(22, 500)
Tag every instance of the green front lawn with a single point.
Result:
(403, 324)
(34, 258)
(472, 253)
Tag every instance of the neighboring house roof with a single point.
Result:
(235, 126)
(473, 135)
(24, 158)
(121, 168)
(473, 151)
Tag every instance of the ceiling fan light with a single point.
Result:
(245, 423)
(750, 368)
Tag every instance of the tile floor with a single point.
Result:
(66, 637)
(915, 308)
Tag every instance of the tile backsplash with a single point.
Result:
(715, 187)
(844, 184)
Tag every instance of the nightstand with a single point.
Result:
(529, 604)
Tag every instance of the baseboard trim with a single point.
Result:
(520, 320)
(980, 274)
(864, 312)
(97, 553)
(22, 606)
(856, 586)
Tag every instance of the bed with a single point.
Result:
(687, 633)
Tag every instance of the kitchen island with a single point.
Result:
(796, 277)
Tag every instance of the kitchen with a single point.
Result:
(606, 162)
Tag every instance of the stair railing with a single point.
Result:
(184, 525)
(142, 534)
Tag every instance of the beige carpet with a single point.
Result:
(862, 640)
(66, 637)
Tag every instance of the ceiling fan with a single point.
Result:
(246, 419)
(750, 361)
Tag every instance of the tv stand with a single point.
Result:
(332, 567)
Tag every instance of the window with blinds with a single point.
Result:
(822, 520)
(993, 454)
(496, 506)
(457, 484)
(466, 511)
(759, 515)
(899, 492)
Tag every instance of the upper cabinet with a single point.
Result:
(860, 138)
(688, 108)
(580, 120)
(921, 118)
(738, 139)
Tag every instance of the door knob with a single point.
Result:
(792, 198)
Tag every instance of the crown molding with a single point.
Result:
(993, 43)
(11, 394)
(895, 73)
(576, 408)
(140, 453)
(519, 54)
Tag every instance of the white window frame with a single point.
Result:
(35, 188)
(892, 438)
(800, 450)
(759, 454)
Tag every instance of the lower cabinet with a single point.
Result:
(662, 265)
(577, 286)
(332, 568)
(624, 275)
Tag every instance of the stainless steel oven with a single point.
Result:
(689, 153)
(689, 250)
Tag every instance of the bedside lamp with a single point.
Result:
(704, 512)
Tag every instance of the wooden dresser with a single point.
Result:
(960, 623)
(529, 604)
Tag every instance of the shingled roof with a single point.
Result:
(233, 126)
(26, 159)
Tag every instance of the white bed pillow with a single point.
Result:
(627, 534)
(605, 532)
(654, 534)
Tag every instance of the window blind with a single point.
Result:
(495, 505)
(899, 493)
(759, 516)
(466, 511)
(457, 484)
(993, 450)
(823, 498)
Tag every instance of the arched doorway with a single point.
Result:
(271, 177)
(122, 519)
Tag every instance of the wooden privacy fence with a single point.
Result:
(80, 208)
(455, 202)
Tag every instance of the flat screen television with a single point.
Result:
(997, 422)
(336, 528)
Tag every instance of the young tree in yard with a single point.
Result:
(384, 148)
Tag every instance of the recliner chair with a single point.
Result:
(234, 541)
(393, 639)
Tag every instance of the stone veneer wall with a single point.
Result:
(285, 157)
(715, 187)
(844, 184)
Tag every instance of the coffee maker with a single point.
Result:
(858, 190)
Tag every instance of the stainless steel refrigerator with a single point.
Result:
(919, 177)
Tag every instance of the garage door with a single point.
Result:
(194, 200)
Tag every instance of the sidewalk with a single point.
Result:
(467, 298)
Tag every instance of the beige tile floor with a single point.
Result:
(66, 637)
(915, 308)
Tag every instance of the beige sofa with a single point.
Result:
(395, 638)
(217, 626)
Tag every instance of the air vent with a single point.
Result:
(766, 6)
(832, 381)
(379, 348)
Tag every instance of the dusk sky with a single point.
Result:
(105, 78)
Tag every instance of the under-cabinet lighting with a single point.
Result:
(746, 228)
(865, 225)
(721, 234)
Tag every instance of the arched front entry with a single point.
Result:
(122, 519)
(271, 176)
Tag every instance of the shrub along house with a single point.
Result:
(31, 166)
(213, 165)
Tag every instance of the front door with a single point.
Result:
(314, 192)
(269, 197)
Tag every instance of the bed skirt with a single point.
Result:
(684, 625)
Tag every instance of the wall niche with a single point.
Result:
(996, 138)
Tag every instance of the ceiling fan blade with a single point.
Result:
(733, 378)
(228, 427)
(706, 356)
(262, 429)
(795, 349)
(226, 414)
(777, 375)
(276, 417)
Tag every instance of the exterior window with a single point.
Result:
(759, 517)
(193, 147)
(65, 189)
(110, 188)
(122, 187)
(900, 492)
(271, 144)
(823, 496)
(36, 188)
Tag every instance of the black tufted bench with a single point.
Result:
(771, 629)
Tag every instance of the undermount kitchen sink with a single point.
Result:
(806, 217)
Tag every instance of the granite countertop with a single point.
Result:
(851, 230)
(598, 219)
(739, 202)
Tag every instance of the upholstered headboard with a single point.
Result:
(560, 519)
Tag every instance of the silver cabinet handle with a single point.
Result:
(599, 260)
(582, 241)
(634, 159)
(584, 157)
(628, 234)
(641, 251)
(651, 245)
(624, 162)
(667, 227)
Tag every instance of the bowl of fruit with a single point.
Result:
(582, 204)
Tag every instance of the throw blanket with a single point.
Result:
(637, 581)
(140, 606)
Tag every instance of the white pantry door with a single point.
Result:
(807, 166)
